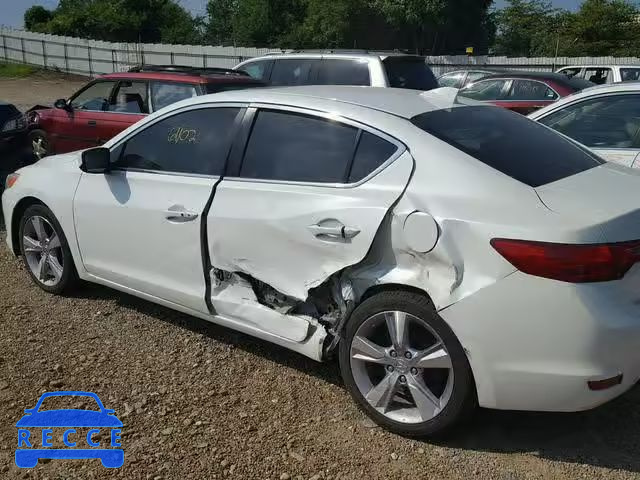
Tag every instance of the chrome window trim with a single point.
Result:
(400, 147)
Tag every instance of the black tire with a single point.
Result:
(463, 398)
(35, 136)
(69, 277)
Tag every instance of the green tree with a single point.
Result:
(37, 17)
(221, 16)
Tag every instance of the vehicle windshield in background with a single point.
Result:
(580, 83)
(409, 72)
(508, 142)
(630, 74)
(224, 87)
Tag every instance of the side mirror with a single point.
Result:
(62, 104)
(96, 160)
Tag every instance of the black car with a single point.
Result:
(13, 128)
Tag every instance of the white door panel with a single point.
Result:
(291, 236)
(142, 230)
(621, 156)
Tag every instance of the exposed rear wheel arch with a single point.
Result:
(18, 212)
(393, 287)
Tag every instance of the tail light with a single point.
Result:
(575, 263)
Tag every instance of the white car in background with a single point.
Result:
(605, 118)
(450, 255)
(600, 74)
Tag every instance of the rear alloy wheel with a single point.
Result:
(404, 366)
(45, 250)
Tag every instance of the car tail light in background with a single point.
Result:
(12, 178)
(575, 263)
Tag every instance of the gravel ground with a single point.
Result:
(200, 401)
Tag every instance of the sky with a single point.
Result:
(12, 11)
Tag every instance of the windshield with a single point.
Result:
(409, 72)
(508, 142)
(224, 87)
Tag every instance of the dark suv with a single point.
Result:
(342, 67)
(111, 103)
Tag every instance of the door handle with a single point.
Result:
(179, 214)
(92, 123)
(333, 232)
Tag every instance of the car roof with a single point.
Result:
(478, 69)
(395, 101)
(363, 54)
(180, 77)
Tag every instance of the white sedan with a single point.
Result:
(450, 255)
(604, 118)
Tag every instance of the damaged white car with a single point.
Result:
(449, 255)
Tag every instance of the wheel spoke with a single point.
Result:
(397, 326)
(368, 351)
(42, 267)
(433, 357)
(54, 241)
(31, 245)
(55, 267)
(38, 227)
(427, 403)
(382, 394)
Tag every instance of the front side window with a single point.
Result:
(508, 142)
(94, 98)
(484, 90)
(571, 72)
(530, 90)
(598, 76)
(611, 121)
(630, 74)
(130, 97)
(300, 148)
(291, 71)
(343, 72)
(164, 94)
(193, 142)
(453, 80)
(257, 69)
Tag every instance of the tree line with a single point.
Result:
(522, 28)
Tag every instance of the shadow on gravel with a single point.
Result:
(607, 437)
(327, 372)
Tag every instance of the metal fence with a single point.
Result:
(92, 57)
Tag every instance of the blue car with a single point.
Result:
(27, 455)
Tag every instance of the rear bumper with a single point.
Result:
(533, 343)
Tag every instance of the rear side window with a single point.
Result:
(343, 72)
(164, 94)
(599, 76)
(372, 152)
(531, 90)
(193, 142)
(291, 71)
(300, 148)
(411, 72)
(130, 97)
(630, 74)
(508, 142)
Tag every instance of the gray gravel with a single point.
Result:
(199, 401)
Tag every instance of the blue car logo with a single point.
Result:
(35, 444)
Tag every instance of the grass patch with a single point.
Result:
(15, 70)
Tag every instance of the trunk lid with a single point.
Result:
(606, 197)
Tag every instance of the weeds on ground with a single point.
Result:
(14, 70)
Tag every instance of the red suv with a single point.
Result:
(112, 103)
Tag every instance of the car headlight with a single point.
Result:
(11, 180)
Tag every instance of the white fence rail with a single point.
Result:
(92, 57)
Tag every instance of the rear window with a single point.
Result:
(224, 87)
(508, 142)
(412, 73)
(630, 74)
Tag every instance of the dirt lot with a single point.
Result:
(43, 88)
(199, 401)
